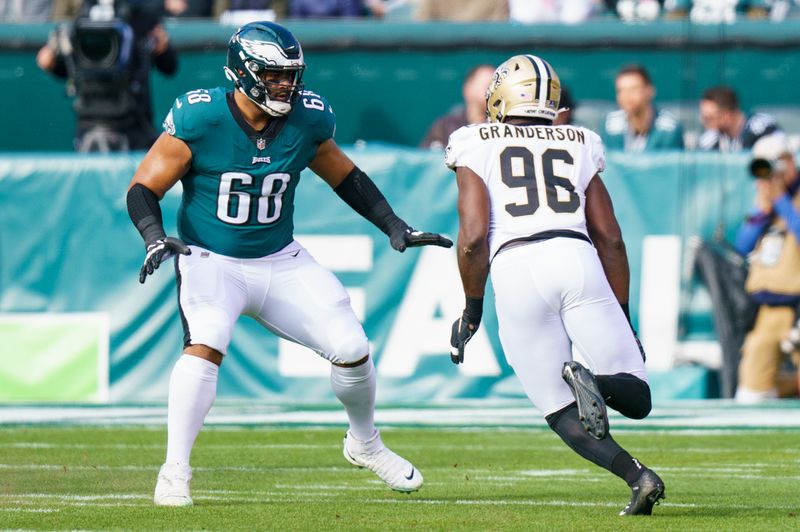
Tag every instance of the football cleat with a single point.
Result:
(172, 487)
(591, 406)
(645, 493)
(397, 472)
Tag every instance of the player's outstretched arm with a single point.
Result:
(360, 193)
(161, 168)
(473, 256)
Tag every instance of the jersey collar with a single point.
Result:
(262, 138)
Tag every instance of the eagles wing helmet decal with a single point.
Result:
(269, 53)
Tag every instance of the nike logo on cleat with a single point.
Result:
(296, 253)
(409, 477)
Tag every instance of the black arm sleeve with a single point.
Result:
(145, 213)
(361, 194)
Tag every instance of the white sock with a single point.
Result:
(192, 389)
(355, 388)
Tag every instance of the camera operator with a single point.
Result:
(771, 236)
(106, 55)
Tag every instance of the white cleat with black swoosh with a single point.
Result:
(398, 473)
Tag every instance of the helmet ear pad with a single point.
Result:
(523, 86)
(261, 46)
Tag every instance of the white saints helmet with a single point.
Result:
(524, 86)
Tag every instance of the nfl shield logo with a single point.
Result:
(261, 144)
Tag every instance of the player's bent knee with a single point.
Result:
(352, 364)
(641, 410)
(639, 403)
(209, 327)
(205, 352)
(352, 350)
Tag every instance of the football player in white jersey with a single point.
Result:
(532, 205)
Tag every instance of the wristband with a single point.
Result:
(473, 309)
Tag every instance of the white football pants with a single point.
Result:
(288, 292)
(550, 295)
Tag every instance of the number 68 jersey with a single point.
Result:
(536, 175)
(238, 194)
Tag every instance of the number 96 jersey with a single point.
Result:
(536, 175)
(238, 194)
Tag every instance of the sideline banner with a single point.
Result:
(54, 357)
(67, 246)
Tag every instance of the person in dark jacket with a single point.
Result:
(113, 101)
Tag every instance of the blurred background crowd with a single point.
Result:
(521, 11)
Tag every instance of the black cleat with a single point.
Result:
(645, 493)
(591, 406)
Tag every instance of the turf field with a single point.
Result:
(255, 478)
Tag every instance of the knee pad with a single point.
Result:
(208, 327)
(349, 348)
(627, 394)
(642, 410)
(639, 407)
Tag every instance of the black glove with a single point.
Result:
(465, 327)
(158, 252)
(407, 237)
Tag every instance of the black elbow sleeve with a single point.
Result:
(361, 194)
(145, 213)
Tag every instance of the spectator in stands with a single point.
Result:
(472, 111)
(783, 9)
(463, 10)
(25, 11)
(335, 8)
(113, 102)
(240, 12)
(567, 108)
(635, 10)
(726, 127)
(638, 125)
(188, 8)
(66, 9)
(550, 11)
(716, 11)
(771, 235)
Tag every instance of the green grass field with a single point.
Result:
(55, 478)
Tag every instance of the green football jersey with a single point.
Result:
(666, 133)
(238, 194)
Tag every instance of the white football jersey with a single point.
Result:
(536, 175)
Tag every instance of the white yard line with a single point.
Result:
(42, 445)
(712, 415)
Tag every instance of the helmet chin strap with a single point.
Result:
(282, 108)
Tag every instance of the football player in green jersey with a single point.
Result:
(238, 154)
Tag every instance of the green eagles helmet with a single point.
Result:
(265, 62)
